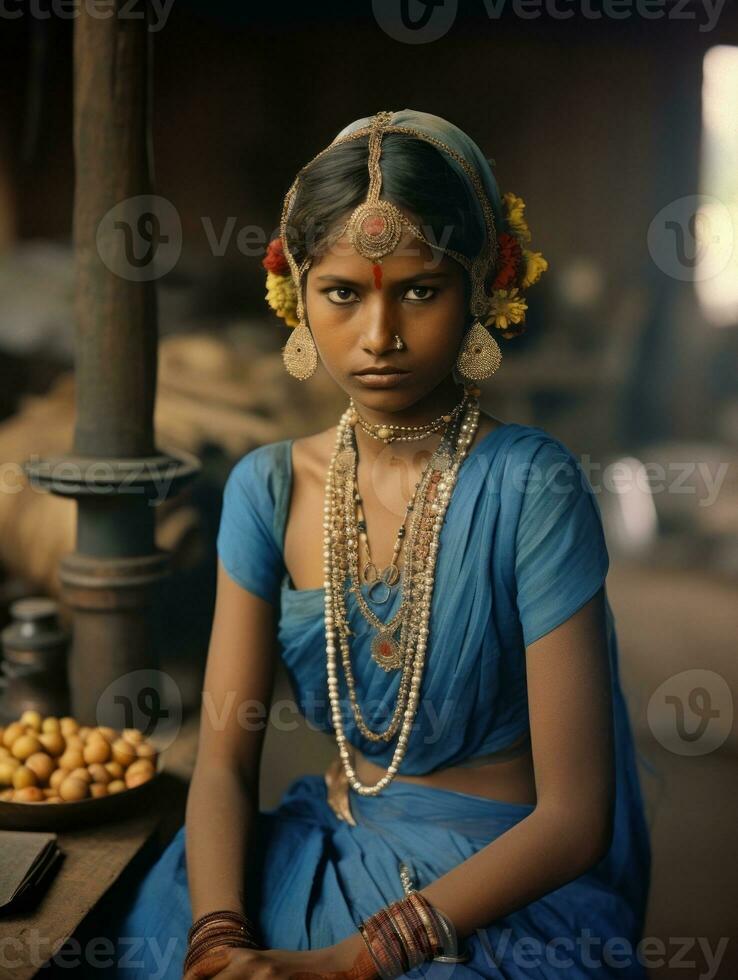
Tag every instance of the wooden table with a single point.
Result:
(95, 857)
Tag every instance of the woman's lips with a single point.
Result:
(382, 380)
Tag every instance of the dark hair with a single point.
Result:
(416, 177)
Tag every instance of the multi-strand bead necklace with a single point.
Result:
(388, 577)
(340, 554)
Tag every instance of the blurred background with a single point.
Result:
(620, 134)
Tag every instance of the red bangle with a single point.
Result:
(238, 917)
(222, 927)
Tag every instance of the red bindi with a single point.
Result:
(377, 269)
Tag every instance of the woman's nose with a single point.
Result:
(380, 329)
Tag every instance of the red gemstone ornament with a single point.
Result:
(374, 229)
(386, 652)
(374, 225)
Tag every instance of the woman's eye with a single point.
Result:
(341, 300)
(416, 289)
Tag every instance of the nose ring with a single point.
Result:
(399, 345)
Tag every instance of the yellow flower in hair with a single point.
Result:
(506, 307)
(515, 209)
(535, 266)
(282, 297)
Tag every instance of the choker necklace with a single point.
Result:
(388, 433)
(340, 550)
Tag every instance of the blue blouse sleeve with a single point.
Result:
(561, 557)
(246, 544)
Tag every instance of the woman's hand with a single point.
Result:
(347, 960)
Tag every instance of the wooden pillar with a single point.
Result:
(114, 471)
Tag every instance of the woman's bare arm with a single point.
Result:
(223, 798)
(570, 829)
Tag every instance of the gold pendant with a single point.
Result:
(386, 651)
(345, 461)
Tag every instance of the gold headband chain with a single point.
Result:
(375, 227)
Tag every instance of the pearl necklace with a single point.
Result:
(415, 625)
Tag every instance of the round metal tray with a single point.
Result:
(80, 813)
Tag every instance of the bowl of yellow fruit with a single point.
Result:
(56, 773)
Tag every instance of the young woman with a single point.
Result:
(434, 581)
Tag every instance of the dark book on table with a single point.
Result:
(28, 862)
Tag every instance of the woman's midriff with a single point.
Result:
(510, 777)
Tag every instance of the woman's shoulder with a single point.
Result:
(520, 440)
(274, 460)
(521, 459)
(247, 541)
(257, 478)
(257, 462)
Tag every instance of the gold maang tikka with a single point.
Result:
(374, 229)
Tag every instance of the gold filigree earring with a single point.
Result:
(480, 355)
(300, 354)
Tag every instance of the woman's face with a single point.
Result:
(354, 314)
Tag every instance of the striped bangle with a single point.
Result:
(223, 927)
(402, 935)
(429, 917)
(238, 917)
(379, 966)
(386, 944)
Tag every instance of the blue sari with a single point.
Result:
(521, 549)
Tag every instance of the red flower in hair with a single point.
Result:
(509, 259)
(274, 260)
